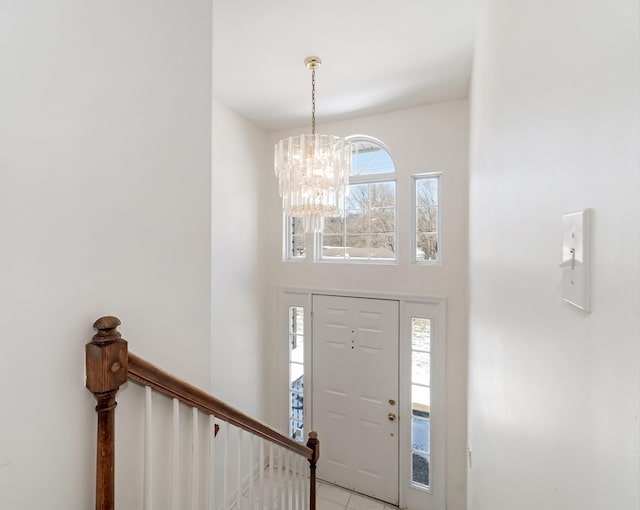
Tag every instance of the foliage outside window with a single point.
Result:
(420, 401)
(367, 231)
(296, 372)
(426, 218)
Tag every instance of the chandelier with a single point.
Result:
(313, 170)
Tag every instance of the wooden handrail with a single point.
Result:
(147, 374)
(109, 365)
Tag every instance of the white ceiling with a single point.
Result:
(378, 56)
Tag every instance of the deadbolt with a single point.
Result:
(392, 416)
(392, 402)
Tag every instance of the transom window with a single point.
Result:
(367, 231)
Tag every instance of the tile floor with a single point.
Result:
(331, 497)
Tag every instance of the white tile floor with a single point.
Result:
(331, 497)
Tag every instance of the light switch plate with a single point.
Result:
(576, 259)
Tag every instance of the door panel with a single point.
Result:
(355, 376)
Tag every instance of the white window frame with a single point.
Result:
(288, 298)
(412, 495)
(414, 219)
(366, 179)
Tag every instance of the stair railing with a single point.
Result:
(109, 365)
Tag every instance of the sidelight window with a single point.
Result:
(420, 400)
(296, 372)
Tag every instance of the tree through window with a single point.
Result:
(367, 231)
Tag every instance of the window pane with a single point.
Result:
(296, 371)
(420, 468)
(382, 247)
(297, 430)
(427, 192)
(383, 220)
(296, 320)
(333, 246)
(427, 219)
(357, 246)
(421, 334)
(297, 349)
(334, 225)
(382, 194)
(298, 247)
(357, 222)
(296, 239)
(420, 367)
(420, 432)
(370, 159)
(357, 197)
(426, 247)
(420, 398)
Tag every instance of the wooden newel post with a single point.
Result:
(314, 444)
(106, 363)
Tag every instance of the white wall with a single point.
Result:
(240, 155)
(554, 392)
(427, 139)
(105, 147)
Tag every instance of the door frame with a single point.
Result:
(410, 497)
(389, 462)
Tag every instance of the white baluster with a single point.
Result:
(281, 487)
(175, 457)
(225, 469)
(261, 442)
(301, 481)
(147, 502)
(296, 485)
(211, 485)
(305, 484)
(271, 475)
(195, 458)
(288, 483)
(239, 471)
(251, 471)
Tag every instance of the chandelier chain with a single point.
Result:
(313, 101)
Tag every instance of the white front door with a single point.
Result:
(355, 393)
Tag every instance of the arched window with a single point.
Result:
(367, 231)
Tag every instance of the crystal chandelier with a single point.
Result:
(313, 170)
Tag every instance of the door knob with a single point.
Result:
(392, 416)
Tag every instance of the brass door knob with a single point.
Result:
(392, 416)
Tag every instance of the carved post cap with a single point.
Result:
(314, 443)
(107, 329)
(106, 357)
